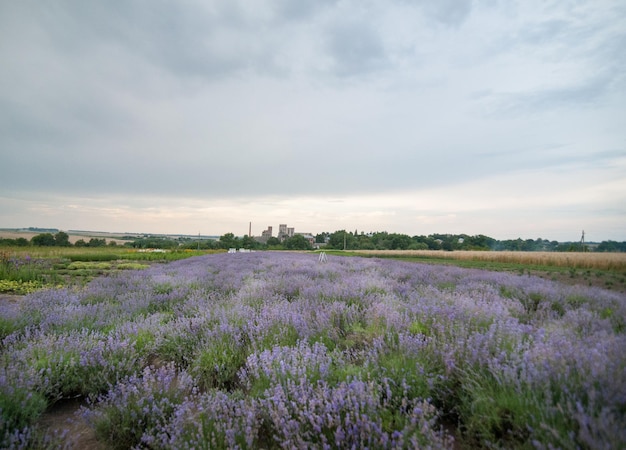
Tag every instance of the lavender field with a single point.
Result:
(279, 350)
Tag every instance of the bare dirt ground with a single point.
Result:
(63, 419)
(615, 283)
(10, 301)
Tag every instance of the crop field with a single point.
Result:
(576, 260)
(282, 350)
(27, 269)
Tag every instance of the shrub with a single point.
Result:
(137, 406)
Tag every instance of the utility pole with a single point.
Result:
(582, 242)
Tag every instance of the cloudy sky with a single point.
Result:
(504, 118)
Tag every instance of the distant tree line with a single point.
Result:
(341, 239)
(59, 239)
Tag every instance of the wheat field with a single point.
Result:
(578, 260)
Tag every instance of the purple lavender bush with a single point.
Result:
(278, 350)
(137, 405)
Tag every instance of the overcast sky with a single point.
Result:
(504, 118)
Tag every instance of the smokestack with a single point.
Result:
(250, 230)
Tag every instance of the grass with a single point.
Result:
(102, 253)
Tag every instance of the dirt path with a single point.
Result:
(63, 417)
(10, 302)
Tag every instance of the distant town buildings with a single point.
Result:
(266, 234)
(284, 232)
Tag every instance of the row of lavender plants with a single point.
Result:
(279, 350)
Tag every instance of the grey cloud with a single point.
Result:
(588, 94)
(544, 32)
(356, 49)
(182, 39)
(448, 12)
(300, 10)
(235, 98)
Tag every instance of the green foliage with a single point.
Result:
(178, 348)
(95, 242)
(420, 327)
(342, 240)
(297, 242)
(213, 436)
(495, 412)
(163, 288)
(217, 364)
(7, 326)
(68, 374)
(132, 266)
(229, 241)
(43, 240)
(617, 322)
(345, 372)
(250, 243)
(20, 408)
(279, 335)
(121, 420)
(62, 239)
(98, 256)
(19, 242)
(20, 287)
(144, 341)
(611, 246)
(504, 412)
(154, 242)
(273, 242)
(76, 265)
(410, 375)
(19, 270)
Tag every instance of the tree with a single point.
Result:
(62, 239)
(249, 243)
(229, 241)
(399, 241)
(418, 246)
(19, 242)
(342, 239)
(321, 237)
(273, 242)
(297, 242)
(144, 242)
(43, 240)
(95, 242)
(611, 246)
(364, 242)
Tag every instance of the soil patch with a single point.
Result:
(63, 419)
(10, 302)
